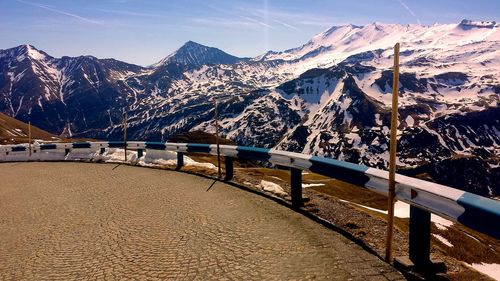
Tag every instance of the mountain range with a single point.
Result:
(329, 97)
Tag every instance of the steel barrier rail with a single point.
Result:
(476, 212)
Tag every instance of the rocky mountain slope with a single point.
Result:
(330, 96)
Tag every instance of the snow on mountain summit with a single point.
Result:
(35, 53)
(195, 54)
(22, 52)
(339, 42)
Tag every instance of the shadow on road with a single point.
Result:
(210, 187)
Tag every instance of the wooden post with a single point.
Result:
(392, 155)
(125, 135)
(29, 137)
(219, 172)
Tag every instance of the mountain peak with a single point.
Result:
(21, 48)
(34, 53)
(192, 44)
(337, 28)
(26, 51)
(196, 54)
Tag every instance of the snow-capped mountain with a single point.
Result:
(62, 94)
(194, 54)
(330, 96)
(339, 42)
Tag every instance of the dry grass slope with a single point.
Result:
(13, 131)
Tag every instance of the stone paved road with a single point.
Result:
(67, 221)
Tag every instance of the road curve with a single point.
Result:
(67, 221)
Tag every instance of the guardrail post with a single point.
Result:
(140, 153)
(420, 237)
(296, 187)
(66, 151)
(102, 150)
(180, 160)
(229, 168)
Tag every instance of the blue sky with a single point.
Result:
(144, 31)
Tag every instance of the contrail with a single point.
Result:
(59, 12)
(409, 10)
(256, 21)
(286, 24)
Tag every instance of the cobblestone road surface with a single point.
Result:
(67, 221)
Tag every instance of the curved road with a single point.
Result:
(67, 221)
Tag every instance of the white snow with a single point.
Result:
(34, 53)
(490, 269)
(377, 119)
(151, 158)
(306, 185)
(443, 240)
(402, 210)
(82, 154)
(116, 155)
(472, 236)
(441, 223)
(409, 121)
(272, 187)
(159, 158)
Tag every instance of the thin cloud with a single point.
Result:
(225, 22)
(410, 11)
(128, 13)
(48, 8)
(285, 17)
(233, 14)
(319, 23)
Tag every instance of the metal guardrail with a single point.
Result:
(476, 212)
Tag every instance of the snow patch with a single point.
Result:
(443, 240)
(272, 187)
(402, 210)
(441, 223)
(490, 269)
(116, 155)
(409, 121)
(306, 185)
(154, 158)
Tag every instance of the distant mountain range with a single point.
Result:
(330, 96)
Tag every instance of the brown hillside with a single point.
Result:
(13, 131)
